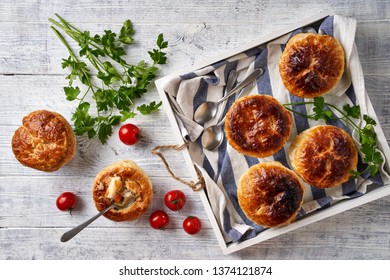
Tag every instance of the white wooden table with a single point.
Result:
(32, 78)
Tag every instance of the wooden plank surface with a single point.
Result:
(32, 78)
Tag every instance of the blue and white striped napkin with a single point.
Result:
(223, 167)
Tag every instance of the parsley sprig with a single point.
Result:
(367, 137)
(118, 83)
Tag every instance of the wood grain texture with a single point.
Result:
(31, 78)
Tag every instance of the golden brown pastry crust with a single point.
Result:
(311, 64)
(257, 125)
(270, 194)
(322, 156)
(127, 170)
(45, 141)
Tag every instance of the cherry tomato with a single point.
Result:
(66, 201)
(175, 200)
(192, 225)
(129, 134)
(159, 220)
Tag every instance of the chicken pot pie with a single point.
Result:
(323, 155)
(45, 141)
(270, 194)
(118, 183)
(257, 125)
(311, 64)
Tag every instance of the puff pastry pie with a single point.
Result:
(311, 64)
(118, 183)
(257, 125)
(270, 194)
(323, 155)
(45, 141)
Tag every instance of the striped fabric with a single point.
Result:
(222, 168)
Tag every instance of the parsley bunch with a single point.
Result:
(117, 86)
(367, 135)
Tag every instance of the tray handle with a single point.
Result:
(195, 186)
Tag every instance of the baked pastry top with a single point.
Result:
(257, 125)
(323, 155)
(270, 194)
(311, 64)
(45, 141)
(119, 182)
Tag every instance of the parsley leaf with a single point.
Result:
(126, 33)
(161, 43)
(71, 93)
(369, 120)
(104, 131)
(352, 111)
(126, 115)
(149, 109)
(157, 55)
(320, 111)
(83, 121)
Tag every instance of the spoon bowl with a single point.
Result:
(212, 136)
(206, 111)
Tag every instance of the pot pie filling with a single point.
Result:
(118, 190)
(121, 191)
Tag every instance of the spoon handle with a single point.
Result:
(73, 232)
(254, 75)
(231, 80)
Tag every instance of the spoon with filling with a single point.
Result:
(207, 110)
(127, 202)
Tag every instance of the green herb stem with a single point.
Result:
(118, 89)
(313, 116)
(296, 112)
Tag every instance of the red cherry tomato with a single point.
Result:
(192, 225)
(159, 220)
(175, 200)
(66, 201)
(129, 134)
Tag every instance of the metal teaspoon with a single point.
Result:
(73, 232)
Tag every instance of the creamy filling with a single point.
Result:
(121, 191)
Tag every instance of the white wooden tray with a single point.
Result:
(317, 216)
